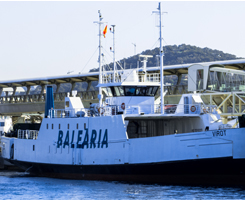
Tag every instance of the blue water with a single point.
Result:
(17, 185)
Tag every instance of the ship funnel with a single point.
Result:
(49, 102)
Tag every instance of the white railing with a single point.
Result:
(149, 77)
(108, 78)
(170, 109)
(133, 110)
(27, 134)
(65, 113)
(154, 77)
(74, 113)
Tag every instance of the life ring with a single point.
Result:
(123, 106)
(193, 108)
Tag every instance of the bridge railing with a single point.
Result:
(27, 134)
(31, 98)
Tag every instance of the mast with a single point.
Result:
(114, 58)
(100, 70)
(161, 54)
(161, 60)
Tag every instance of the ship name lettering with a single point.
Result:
(84, 140)
(219, 133)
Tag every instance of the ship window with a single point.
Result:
(52, 126)
(33, 147)
(149, 91)
(130, 91)
(84, 125)
(154, 91)
(117, 93)
(68, 126)
(67, 104)
(140, 91)
(1, 123)
(59, 126)
(77, 126)
(109, 92)
(121, 90)
(47, 126)
(199, 83)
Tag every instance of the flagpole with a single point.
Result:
(100, 70)
(114, 59)
(161, 60)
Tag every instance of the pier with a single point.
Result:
(15, 103)
(230, 101)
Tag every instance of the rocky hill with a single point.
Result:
(174, 55)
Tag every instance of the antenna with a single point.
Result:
(114, 59)
(161, 54)
(100, 47)
(144, 63)
(134, 48)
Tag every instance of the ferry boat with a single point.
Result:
(132, 136)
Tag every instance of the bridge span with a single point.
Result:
(15, 102)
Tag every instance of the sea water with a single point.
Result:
(19, 185)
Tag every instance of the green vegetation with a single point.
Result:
(182, 54)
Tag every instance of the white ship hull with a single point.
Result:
(103, 151)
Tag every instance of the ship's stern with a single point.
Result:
(7, 148)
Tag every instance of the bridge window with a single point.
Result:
(129, 91)
(134, 90)
(154, 91)
(121, 90)
(140, 91)
(117, 92)
(107, 91)
(149, 91)
(226, 81)
(199, 82)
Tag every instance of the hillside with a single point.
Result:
(174, 55)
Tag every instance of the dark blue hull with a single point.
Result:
(220, 171)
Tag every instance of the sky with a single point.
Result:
(52, 38)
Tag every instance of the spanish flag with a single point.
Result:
(105, 31)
